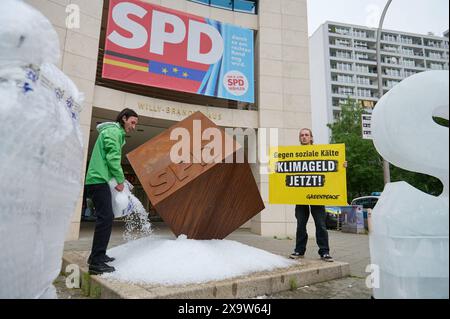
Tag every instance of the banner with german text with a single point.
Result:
(308, 174)
(160, 47)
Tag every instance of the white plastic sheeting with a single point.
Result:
(41, 153)
(409, 228)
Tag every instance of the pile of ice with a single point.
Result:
(163, 261)
(41, 153)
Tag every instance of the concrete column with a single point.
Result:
(284, 94)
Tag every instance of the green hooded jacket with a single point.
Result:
(106, 156)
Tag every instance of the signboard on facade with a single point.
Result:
(160, 47)
(310, 175)
(366, 126)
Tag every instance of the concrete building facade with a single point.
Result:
(281, 77)
(344, 64)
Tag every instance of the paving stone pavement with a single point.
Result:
(346, 247)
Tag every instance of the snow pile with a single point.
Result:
(163, 261)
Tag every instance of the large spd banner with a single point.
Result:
(156, 46)
(310, 175)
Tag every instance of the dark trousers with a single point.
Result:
(101, 196)
(319, 215)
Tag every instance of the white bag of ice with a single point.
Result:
(122, 202)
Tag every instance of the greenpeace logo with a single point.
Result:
(316, 196)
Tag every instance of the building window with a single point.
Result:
(409, 73)
(344, 78)
(201, 1)
(409, 63)
(363, 81)
(342, 54)
(362, 68)
(434, 55)
(390, 60)
(336, 115)
(392, 72)
(344, 91)
(407, 51)
(344, 66)
(360, 34)
(342, 31)
(389, 38)
(362, 56)
(390, 83)
(338, 30)
(406, 40)
(224, 4)
(364, 93)
(361, 45)
(390, 48)
(367, 104)
(246, 6)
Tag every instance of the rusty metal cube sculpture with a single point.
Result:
(198, 198)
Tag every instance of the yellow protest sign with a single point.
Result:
(308, 174)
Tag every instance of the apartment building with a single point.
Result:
(343, 64)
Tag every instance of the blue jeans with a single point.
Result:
(319, 215)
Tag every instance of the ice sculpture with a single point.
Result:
(409, 233)
(41, 153)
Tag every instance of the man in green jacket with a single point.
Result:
(105, 164)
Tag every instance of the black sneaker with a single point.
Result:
(296, 255)
(98, 269)
(327, 258)
(106, 259)
(109, 259)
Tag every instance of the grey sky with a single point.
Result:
(415, 16)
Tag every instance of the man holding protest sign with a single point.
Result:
(302, 215)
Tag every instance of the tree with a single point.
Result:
(365, 165)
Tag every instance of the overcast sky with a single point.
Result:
(415, 16)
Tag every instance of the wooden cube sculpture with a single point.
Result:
(201, 198)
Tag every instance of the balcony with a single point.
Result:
(436, 66)
(365, 35)
(407, 73)
(410, 41)
(341, 67)
(368, 84)
(437, 57)
(436, 45)
(342, 82)
(341, 43)
(339, 31)
(340, 55)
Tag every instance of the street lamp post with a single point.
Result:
(386, 172)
